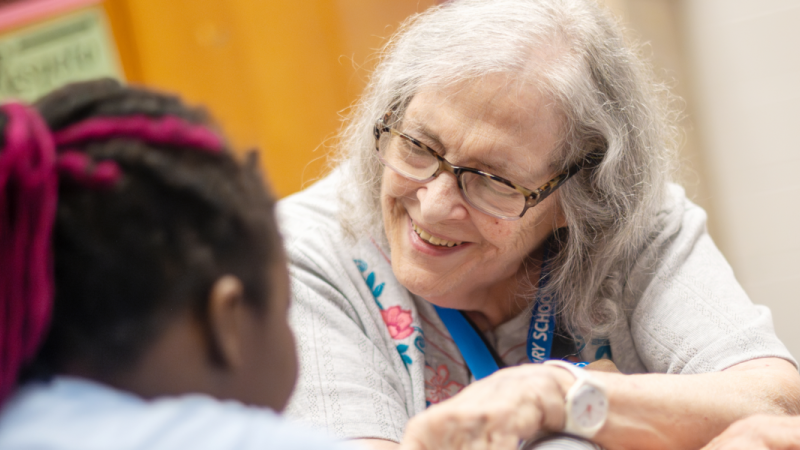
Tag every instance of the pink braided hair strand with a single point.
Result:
(28, 191)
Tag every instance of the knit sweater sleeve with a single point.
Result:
(690, 314)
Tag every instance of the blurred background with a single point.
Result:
(280, 75)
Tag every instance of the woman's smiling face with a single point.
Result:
(504, 128)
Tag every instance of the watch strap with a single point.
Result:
(582, 378)
(577, 372)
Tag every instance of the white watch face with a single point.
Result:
(589, 407)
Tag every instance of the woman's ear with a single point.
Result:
(226, 310)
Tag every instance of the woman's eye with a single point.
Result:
(423, 141)
(500, 189)
(412, 148)
(414, 155)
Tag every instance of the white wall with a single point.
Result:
(744, 65)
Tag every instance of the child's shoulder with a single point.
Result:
(71, 413)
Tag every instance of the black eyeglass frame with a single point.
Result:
(532, 196)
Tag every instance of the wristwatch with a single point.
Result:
(586, 402)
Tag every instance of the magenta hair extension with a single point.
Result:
(168, 130)
(28, 191)
(83, 170)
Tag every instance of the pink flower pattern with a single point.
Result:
(438, 386)
(398, 321)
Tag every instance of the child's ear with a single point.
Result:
(226, 309)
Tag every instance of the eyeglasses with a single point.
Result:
(487, 193)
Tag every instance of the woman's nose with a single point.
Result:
(440, 199)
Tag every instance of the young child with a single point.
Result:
(143, 287)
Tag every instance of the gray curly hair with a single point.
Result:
(610, 103)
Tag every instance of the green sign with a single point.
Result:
(39, 58)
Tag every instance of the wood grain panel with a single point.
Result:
(276, 74)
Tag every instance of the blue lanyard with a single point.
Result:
(478, 357)
(543, 319)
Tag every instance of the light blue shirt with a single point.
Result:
(74, 413)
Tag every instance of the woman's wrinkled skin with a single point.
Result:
(539, 393)
(761, 432)
(479, 125)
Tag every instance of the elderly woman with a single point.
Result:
(502, 199)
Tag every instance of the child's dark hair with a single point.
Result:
(151, 211)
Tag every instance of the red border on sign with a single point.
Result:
(24, 12)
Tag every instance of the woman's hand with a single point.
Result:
(654, 411)
(759, 433)
(495, 413)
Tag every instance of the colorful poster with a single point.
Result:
(44, 56)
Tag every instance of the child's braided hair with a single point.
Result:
(119, 209)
